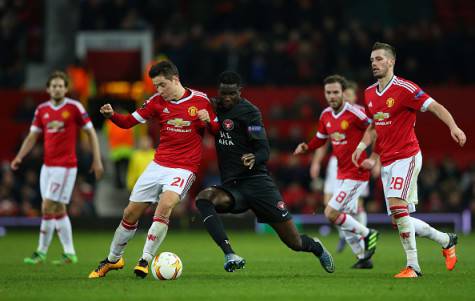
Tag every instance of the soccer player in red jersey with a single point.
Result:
(344, 125)
(58, 121)
(331, 182)
(184, 114)
(392, 103)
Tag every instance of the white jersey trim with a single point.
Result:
(321, 136)
(385, 88)
(35, 129)
(345, 106)
(138, 117)
(88, 126)
(357, 112)
(426, 104)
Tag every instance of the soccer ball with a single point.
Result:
(166, 266)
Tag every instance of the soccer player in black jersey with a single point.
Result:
(243, 151)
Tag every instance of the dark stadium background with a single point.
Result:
(282, 49)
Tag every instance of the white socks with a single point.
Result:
(356, 243)
(46, 233)
(350, 224)
(123, 234)
(425, 230)
(407, 234)
(155, 236)
(65, 233)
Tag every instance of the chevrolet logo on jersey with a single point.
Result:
(338, 136)
(55, 126)
(179, 122)
(380, 116)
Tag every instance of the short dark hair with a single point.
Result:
(389, 48)
(229, 78)
(351, 85)
(165, 68)
(60, 75)
(336, 78)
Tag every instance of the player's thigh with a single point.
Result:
(168, 200)
(57, 183)
(400, 181)
(265, 200)
(346, 196)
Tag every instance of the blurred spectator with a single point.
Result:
(139, 159)
(26, 110)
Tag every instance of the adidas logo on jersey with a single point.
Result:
(328, 124)
(166, 110)
(370, 105)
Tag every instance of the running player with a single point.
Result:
(392, 102)
(243, 151)
(350, 95)
(345, 125)
(183, 114)
(58, 121)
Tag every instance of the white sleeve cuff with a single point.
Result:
(138, 117)
(426, 104)
(321, 136)
(35, 129)
(88, 125)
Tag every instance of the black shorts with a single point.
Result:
(260, 194)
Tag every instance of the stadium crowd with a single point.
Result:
(308, 39)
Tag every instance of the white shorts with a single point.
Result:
(156, 178)
(57, 183)
(345, 198)
(400, 180)
(331, 182)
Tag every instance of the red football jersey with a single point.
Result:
(59, 125)
(345, 130)
(393, 111)
(181, 130)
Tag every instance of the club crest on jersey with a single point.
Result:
(192, 111)
(390, 102)
(228, 124)
(344, 125)
(65, 114)
(179, 122)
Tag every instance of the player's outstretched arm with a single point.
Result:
(25, 148)
(122, 121)
(96, 165)
(317, 159)
(443, 114)
(369, 137)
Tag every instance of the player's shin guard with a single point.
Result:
(425, 230)
(155, 236)
(214, 225)
(406, 234)
(46, 233)
(350, 224)
(65, 233)
(123, 234)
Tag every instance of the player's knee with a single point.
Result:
(206, 194)
(331, 214)
(131, 215)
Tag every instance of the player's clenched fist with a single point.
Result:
(301, 148)
(203, 115)
(107, 110)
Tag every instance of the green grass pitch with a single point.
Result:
(272, 272)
